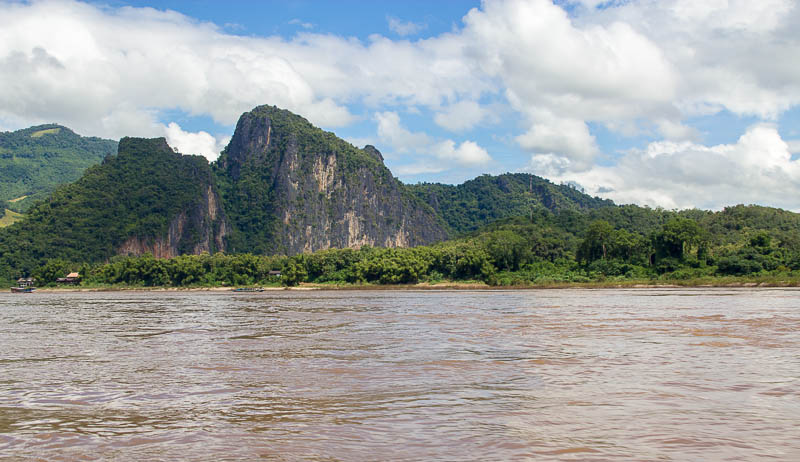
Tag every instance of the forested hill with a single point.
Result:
(35, 160)
(485, 199)
(145, 199)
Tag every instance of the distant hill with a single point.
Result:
(35, 160)
(145, 199)
(485, 199)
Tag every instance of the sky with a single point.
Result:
(664, 103)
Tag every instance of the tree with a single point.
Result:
(293, 274)
(53, 269)
(677, 239)
(761, 241)
(597, 241)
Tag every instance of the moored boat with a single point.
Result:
(24, 286)
(23, 290)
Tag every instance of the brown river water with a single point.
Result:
(640, 375)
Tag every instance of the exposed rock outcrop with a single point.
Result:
(200, 229)
(311, 190)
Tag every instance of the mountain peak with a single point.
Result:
(292, 187)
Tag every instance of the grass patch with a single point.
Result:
(9, 218)
(49, 131)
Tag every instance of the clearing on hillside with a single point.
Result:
(9, 218)
(48, 131)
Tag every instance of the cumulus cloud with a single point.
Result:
(566, 138)
(466, 153)
(732, 54)
(400, 138)
(642, 68)
(404, 27)
(71, 61)
(561, 74)
(460, 116)
(437, 155)
(634, 66)
(201, 143)
(758, 168)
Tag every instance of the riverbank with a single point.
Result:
(721, 282)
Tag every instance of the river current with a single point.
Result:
(595, 375)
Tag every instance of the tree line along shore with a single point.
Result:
(544, 250)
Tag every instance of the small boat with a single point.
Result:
(24, 286)
(22, 290)
(248, 289)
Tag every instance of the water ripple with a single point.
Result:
(492, 375)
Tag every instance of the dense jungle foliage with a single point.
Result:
(486, 199)
(609, 244)
(134, 193)
(34, 161)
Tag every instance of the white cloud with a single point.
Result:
(794, 146)
(303, 24)
(77, 63)
(432, 156)
(390, 130)
(561, 74)
(562, 137)
(730, 54)
(404, 28)
(73, 62)
(466, 153)
(758, 168)
(460, 116)
(634, 67)
(201, 143)
(676, 131)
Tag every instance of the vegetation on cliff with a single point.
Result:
(290, 187)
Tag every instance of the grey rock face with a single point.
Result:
(313, 191)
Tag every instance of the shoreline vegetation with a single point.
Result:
(719, 282)
(740, 247)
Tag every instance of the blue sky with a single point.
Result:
(675, 103)
(350, 18)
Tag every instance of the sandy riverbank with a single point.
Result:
(721, 283)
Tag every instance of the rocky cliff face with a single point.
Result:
(190, 204)
(200, 229)
(289, 187)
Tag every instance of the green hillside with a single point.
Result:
(485, 199)
(34, 161)
(134, 193)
